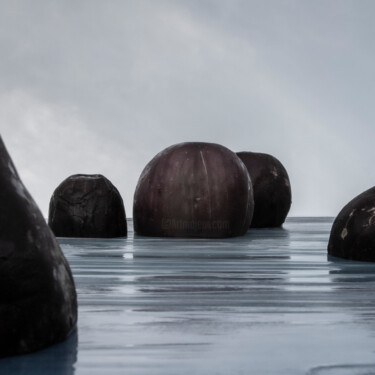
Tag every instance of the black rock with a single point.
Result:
(38, 302)
(271, 186)
(193, 190)
(87, 206)
(353, 231)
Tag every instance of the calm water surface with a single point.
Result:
(266, 303)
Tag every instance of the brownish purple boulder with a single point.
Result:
(271, 186)
(87, 206)
(38, 302)
(353, 231)
(193, 190)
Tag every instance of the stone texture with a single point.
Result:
(38, 302)
(87, 206)
(271, 186)
(193, 190)
(353, 231)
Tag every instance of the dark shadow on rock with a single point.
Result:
(271, 186)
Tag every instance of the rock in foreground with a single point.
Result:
(87, 206)
(271, 186)
(193, 190)
(353, 231)
(38, 302)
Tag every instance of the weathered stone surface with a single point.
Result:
(193, 190)
(38, 302)
(87, 206)
(271, 186)
(353, 231)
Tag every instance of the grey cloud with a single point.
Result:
(121, 80)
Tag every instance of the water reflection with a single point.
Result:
(347, 369)
(58, 359)
(345, 271)
(353, 283)
(204, 277)
(93, 247)
(276, 233)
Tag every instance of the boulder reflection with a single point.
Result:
(58, 359)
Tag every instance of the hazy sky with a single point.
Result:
(102, 86)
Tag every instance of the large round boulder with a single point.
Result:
(87, 206)
(38, 302)
(271, 186)
(193, 190)
(353, 231)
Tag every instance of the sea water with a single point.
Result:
(270, 302)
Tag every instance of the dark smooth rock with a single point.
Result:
(38, 302)
(271, 186)
(87, 206)
(353, 231)
(193, 190)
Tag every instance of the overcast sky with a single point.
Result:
(102, 86)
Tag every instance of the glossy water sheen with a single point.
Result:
(266, 303)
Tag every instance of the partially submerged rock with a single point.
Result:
(38, 302)
(193, 190)
(271, 186)
(87, 206)
(353, 231)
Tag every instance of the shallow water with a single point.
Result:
(266, 303)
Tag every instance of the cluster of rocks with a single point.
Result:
(187, 190)
(205, 190)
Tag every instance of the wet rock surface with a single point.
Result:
(193, 190)
(353, 231)
(38, 302)
(87, 206)
(271, 187)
